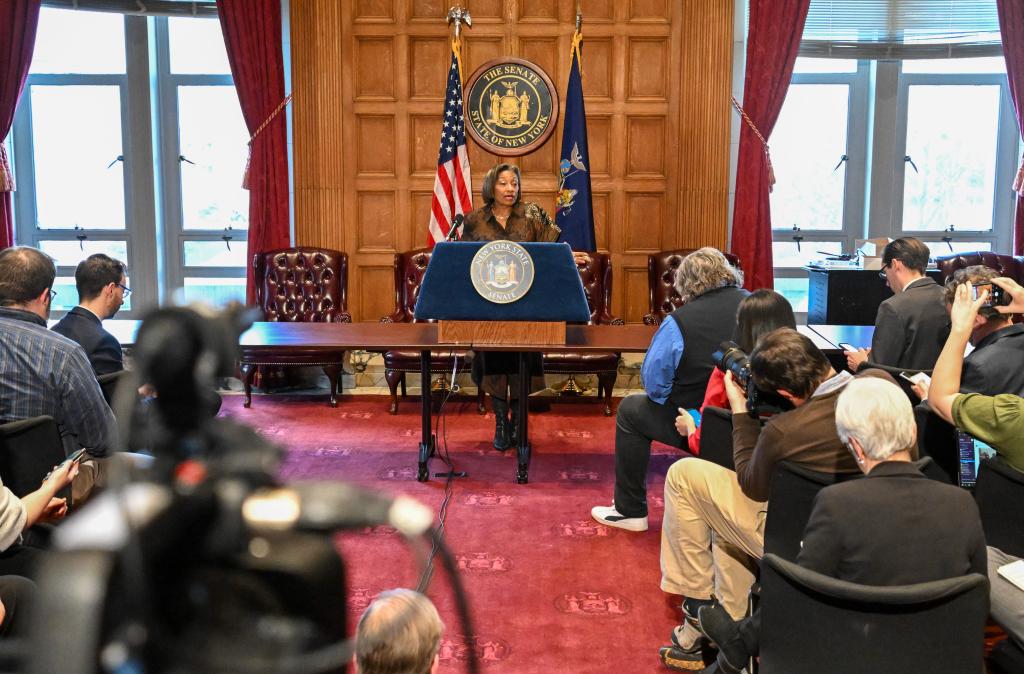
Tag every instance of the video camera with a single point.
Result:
(208, 563)
(760, 403)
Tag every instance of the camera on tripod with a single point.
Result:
(760, 403)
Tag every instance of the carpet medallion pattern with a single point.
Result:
(550, 589)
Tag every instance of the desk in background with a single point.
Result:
(854, 335)
(843, 296)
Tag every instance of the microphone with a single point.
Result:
(457, 222)
(329, 506)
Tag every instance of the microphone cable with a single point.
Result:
(441, 434)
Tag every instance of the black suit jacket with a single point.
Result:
(911, 327)
(997, 364)
(104, 351)
(894, 527)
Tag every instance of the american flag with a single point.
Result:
(452, 184)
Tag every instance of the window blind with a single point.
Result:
(206, 9)
(901, 29)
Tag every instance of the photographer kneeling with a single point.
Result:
(714, 517)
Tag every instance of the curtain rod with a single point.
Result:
(198, 9)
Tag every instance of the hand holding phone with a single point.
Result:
(917, 378)
(67, 469)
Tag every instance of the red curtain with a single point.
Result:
(252, 34)
(18, 22)
(773, 41)
(1011, 25)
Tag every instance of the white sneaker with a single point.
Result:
(610, 516)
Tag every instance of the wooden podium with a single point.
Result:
(468, 319)
(493, 333)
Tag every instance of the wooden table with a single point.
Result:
(422, 337)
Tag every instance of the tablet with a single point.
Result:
(972, 452)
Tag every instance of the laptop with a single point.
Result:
(972, 452)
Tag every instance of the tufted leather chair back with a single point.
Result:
(306, 285)
(661, 273)
(596, 275)
(1006, 265)
(410, 268)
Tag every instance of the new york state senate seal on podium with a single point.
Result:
(511, 106)
(502, 272)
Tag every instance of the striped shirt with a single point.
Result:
(42, 372)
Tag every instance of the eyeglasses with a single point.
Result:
(53, 293)
(881, 272)
(126, 289)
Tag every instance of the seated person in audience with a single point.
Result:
(100, 281)
(759, 313)
(399, 632)
(895, 527)
(911, 325)
(42, 372)
(996, 365)
(18, 514)
(675, 373)
(996, 420)
(15, 593)
(713, 526)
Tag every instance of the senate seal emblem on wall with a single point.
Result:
(502, 272)
(511, 106)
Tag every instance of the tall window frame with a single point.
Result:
(139, 232)
(792, 280)
(176, 235)
(154, 231)
(999, 236)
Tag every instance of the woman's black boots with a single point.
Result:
(501, 434)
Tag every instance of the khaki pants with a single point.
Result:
(710, 536)
(94, 473)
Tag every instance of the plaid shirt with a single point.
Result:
(42, 372)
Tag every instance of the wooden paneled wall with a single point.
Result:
(368, 78)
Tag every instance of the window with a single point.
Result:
(93, 133)
(926, 148)
(818, 156)
(208, 211)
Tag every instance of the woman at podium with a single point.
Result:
(505, 216)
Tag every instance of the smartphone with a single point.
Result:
(916, 378)
(847, 347)
(74, 456)
(996, 295)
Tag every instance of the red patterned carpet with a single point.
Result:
(550, 590)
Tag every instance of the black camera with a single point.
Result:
(760, 403)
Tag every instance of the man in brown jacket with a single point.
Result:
(714, 519)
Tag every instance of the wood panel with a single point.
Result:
(369, 77)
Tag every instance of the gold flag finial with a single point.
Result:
(579, 15)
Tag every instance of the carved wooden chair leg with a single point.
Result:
(393, 378)
(248, 371)
(333, 373)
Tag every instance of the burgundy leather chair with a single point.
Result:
(409, 270)
(596, 275)
(303, 285)
(661, 273)
(1006, 265)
